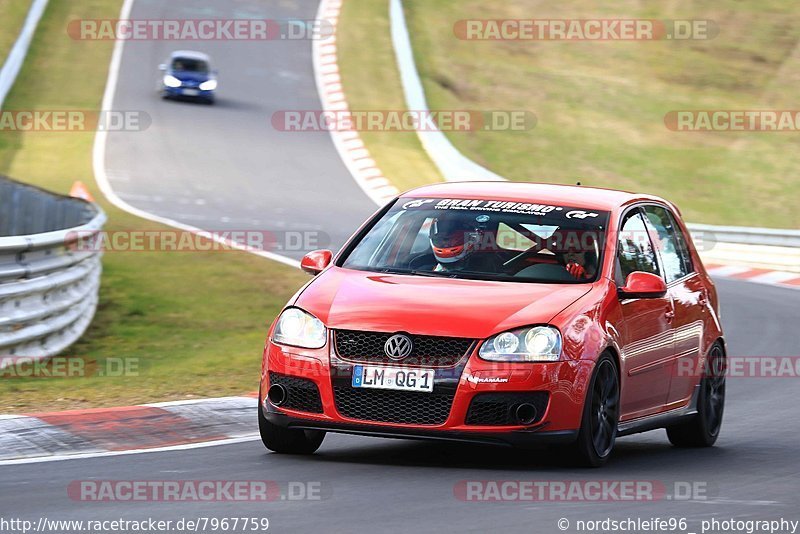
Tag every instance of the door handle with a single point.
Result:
(670, 315)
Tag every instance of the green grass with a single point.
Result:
(193, 322)
(371, 82)
(601, 106)
(12, 15)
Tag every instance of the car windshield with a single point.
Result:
(483, 239)
(183, 64)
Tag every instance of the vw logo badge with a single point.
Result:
(398, 347)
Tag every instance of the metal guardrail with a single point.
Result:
(747, 236)
(48, 284)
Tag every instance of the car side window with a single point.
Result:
(634, 247)
(671, 243)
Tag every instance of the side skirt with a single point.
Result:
(661, 420)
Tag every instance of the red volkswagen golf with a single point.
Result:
(508, 313)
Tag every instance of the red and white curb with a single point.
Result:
(148, 427)
(349, 144)
(755, 275)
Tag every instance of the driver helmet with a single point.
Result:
(452, 239)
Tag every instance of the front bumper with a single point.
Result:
(515, 438)
(565, 383)
(188, 92)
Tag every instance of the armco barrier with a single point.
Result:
(760, 248)
(774, 237)
(48, 286)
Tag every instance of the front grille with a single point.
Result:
(302, 394)
(386, 406)
(497, 409)
(430, 351)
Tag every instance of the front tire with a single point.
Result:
(598, 431)
(702, 429)
(287, 441)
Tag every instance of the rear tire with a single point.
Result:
(287, 441)
(598, 431)
(702, 429)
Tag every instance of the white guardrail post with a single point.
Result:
(49, 278)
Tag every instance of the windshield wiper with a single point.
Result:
(416, 273)
(498, 277)
(440, 274)
(475, 275)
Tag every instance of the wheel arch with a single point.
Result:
(612, 351)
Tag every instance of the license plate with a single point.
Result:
(397, 378)
(191, 92)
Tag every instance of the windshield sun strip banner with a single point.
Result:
(500, 206)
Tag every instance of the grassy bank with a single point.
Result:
(601, 105)
(193, 323)
(12, 16)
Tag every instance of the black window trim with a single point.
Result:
(683, 278)
(638, 207)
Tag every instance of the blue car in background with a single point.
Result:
(189, 75)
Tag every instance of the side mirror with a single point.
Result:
(314, 262)
(642, 285)
(162, 67)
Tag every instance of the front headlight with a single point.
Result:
(171, 81)
(534, 344)
(208, 85)
(301, 329)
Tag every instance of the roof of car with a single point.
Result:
(568, 195)
(190, 54)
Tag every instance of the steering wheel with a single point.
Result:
(420, 261)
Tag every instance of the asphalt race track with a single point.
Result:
(379, 485)
(225, 167)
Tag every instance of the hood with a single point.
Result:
(360, 300)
